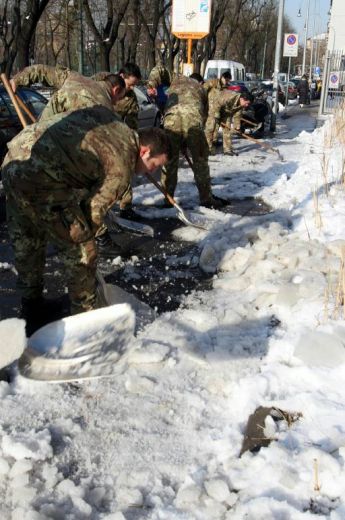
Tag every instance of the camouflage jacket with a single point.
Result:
(128, 109)
(88, 153)
(159, 75)
(187, 95)
(213, 84)
(227, 103)
(74, 90)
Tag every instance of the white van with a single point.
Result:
(215, 68)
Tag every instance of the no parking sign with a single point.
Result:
(290, 45)
(333, 80)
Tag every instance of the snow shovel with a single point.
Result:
(87, 345)
(181, 215)
(83, 346)
(256, 141)
(115, 223)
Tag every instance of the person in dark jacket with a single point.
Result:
(303, 91)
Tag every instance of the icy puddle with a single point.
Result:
(159, 271)
(162, 270)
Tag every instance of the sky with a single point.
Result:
(318, 15)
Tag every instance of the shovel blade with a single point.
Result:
(116, 223)
(78, 347)
(181, 215)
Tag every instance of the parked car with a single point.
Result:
(9, 121)
(149, 114)
(267, 86)
(292, 89)
(237, 86)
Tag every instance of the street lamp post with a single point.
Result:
(277, 64)
(305, 37)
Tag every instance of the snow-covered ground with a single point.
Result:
(161, 439)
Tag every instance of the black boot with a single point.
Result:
(214, 202)
(107, 247)
(38, 312)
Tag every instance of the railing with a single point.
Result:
(333, 88)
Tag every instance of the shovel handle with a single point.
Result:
(256, 141)
(25, 108)
(188, 159)
(161, 189)
(13, 98)
(248, 122)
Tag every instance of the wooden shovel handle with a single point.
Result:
(248, 122)
(10, 92)
(161, 189)
(25, 108)
(256, 141)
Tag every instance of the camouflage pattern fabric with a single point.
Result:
(60, 177)
(224, 107)
(187, 95)
(159, 75)
(213, 84)
(128, 109)
(74, 90)
(183, 122)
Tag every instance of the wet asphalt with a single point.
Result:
(160, 271)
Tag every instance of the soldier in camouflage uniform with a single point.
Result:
(60, 177)
(185, 115)
(74, 90)
(213, 87)
(128, 109)
(225, 107)
(158, 82)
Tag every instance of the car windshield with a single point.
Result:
(4, 108)
(6, 100)
(36, 101)
(212, 73)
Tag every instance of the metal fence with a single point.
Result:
(333, 88)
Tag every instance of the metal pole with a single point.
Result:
(311, 58)
(305, 38)
(324, 89)
(189, 51)
(287, 85)
(312, 51)
(264, 57)
(277, 64)
(81, 35)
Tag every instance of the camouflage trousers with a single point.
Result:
(37, 215)
(212, 129)
(186, 133)
(127, 198)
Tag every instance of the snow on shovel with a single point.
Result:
(87, 345)
(181, 215)
(83, 346)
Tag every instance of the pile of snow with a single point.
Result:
(161, 440)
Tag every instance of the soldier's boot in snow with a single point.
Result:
(232, 153)
(39, 311)
(214, 202)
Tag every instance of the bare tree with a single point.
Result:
(104, 20)
(26, 15)
(8, 35)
